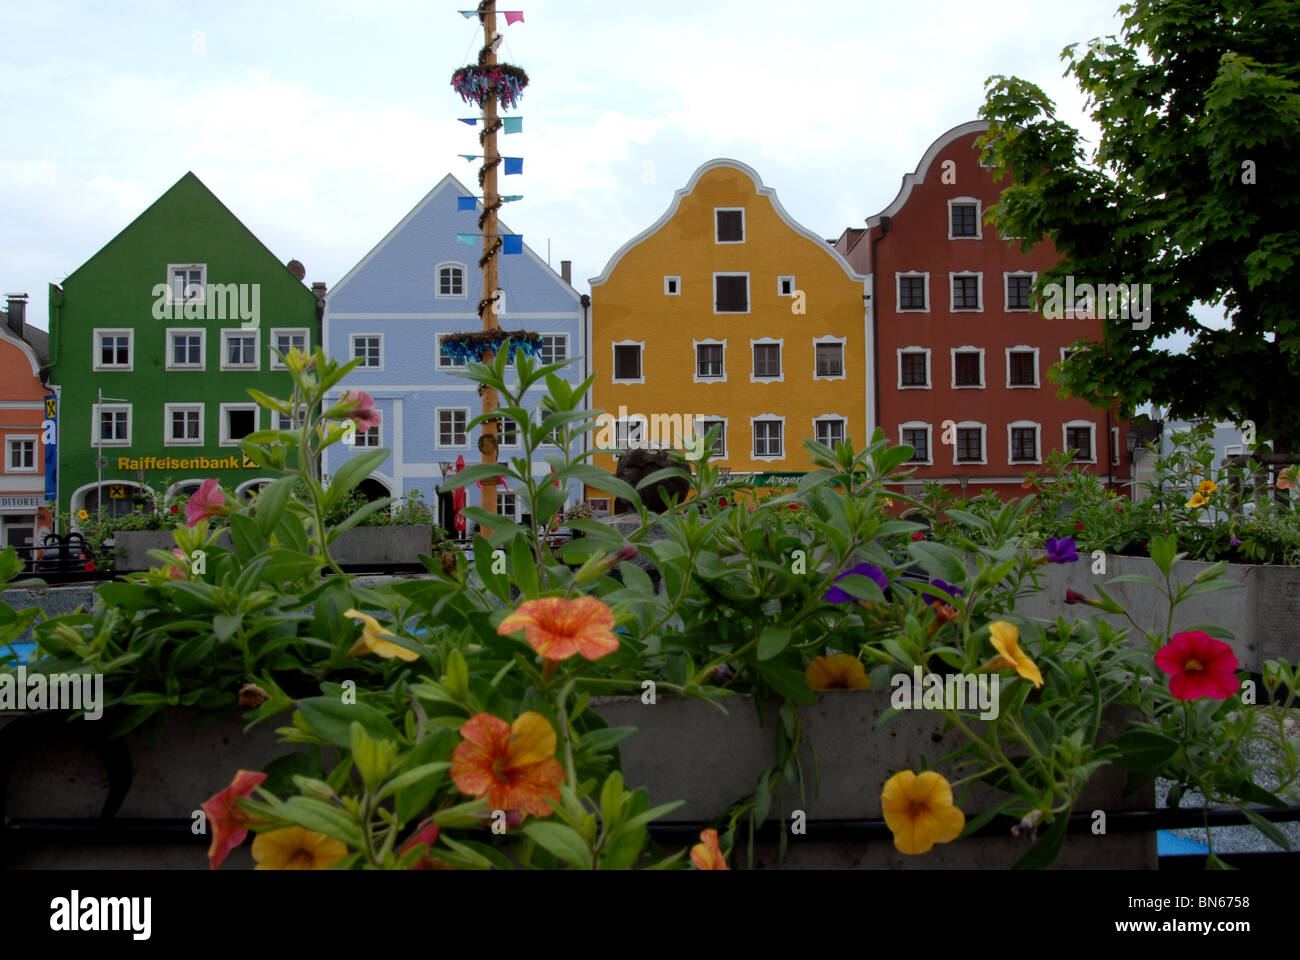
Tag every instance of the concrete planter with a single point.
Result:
(381, 546)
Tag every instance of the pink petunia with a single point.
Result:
(208, 502)
(360, 406)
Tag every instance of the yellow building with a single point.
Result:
(728, 312)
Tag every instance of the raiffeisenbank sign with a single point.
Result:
(226, 462)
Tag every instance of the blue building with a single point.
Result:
(419, 284)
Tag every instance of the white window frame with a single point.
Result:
(780, 282)
(227, 333)
(203, 283)
(352, 350)
(1115, 456)
(844, 365)
(952, 368)
(695, 360)
(1006, 290)
(437, 281)
(599, 505)
(826, 417)
(538, 414)
(979, 211)
(699, 430)
(1038, 441)
(275, 363)
(673, 280)
(1065, 352)
(557, 333)
(753, 437)
(744, 226)
(984, 443)
(749, 294)
(95, 410)
(625, 423)
(96, 361)
(376, 431)
(223, 426)
(767, 342)
(437, 428)
(898, 290)
(929, 369)
(501, 434)
(171, 364)
(929, 439)
(437, 355)
(15, 438)
(508, 505)
(1092, 435)
(979, 291)
(1038, 376)
(613, 357)
(168, 410)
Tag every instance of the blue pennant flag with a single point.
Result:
(512, 243)
(511, 197)
(469, 239)
(465, 203)
(469, 14)
(513, 124)
(514, 165)
(470, 120)
(471, 157)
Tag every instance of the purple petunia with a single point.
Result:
(837, 595)
(1062, 550)
(952, 591)
(1234, 542)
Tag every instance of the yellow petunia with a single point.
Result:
(1197, 501)
(1005, 638)
(839, 671)
(82, 515)
(1207, 487)
(372, 640)
(919, 811)
(295, 848)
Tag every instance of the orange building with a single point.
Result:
(25, 516)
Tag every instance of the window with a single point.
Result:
(507, 432)
(702, 428)
(913, 367)
(911, 291)
(673, 286)
(238, 420)
(1022, 367)
(730, 224)
(556, 437)
(445, 360)
(451, 280)
(829, 431)
(451, 427)
(112, 425)
(1018, 287)
(1023, 438)
(970, 445)
(708, 360)
(113, 349)
(185, 282)
(182, 424)
(368, 347)
(284, 422)
(185, 349)
(555, 347)
(599, 506)
(627, 362)
(731, 293)
(507, 505)
(916, 436)
(767, 360)
(828, 359)
(967, 367)
(1079, 438)
(963, 218)
(785, 286)
(284, 340)
(20, 454)
(767, 437)
(629, 433)
(239, 349)
(965, 291)
(366, 438)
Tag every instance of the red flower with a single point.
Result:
(426, 834)
(176, 508)
(918, 535)
(229, 823)
(1073, 596)
(794, 506)
(1198, 666)
(1078, 526)
(722, 502)
(90, 565)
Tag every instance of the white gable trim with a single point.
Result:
(923, 168)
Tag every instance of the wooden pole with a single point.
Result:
(491, 200)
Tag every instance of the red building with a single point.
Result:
(961, 356)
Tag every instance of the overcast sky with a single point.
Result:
(321, 124)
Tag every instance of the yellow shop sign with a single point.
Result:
(234, 462)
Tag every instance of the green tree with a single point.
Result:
(1194, 188)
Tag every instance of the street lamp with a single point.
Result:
(99, 449)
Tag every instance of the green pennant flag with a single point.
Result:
(513, 124)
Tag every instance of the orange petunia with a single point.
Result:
(707, 855)
(513, 765)
(227, 821)
(1005, 638)
(558, 628)
(296, 848)
(919, 811)
(839, 671)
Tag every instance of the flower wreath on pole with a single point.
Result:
(475, 82)
(464, 347)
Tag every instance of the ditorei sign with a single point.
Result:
(21, 502)
(233, 462)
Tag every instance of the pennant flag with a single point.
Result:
(513, 196)
(470, 120)
(512, 243)
(469, 14)
(469, 239)
(514, 165)
(513, 124)
(471, 157)
(465, 203)
(513, 16)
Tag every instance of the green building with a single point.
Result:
(154, 344)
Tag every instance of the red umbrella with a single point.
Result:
(458, 496)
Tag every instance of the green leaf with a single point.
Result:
(939, 560)
(606, 738)
(332, 719)
(272, 501)
(412, 777)
(562, 842)
(226, 625)
(1044, 853)
(1267, 828)
(524, 568)
(773, 640)
(1143, 749)
(788, 682)
(355, 469)
(323, 818)
(245, 537)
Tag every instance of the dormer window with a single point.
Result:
(729, 224)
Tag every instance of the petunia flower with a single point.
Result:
(296, 848)
(227, 821)
(1061, 550)
(512, 765)
(869, 570)
(929, 598)
(917, 535)
(1196, 502)
(356, 405)
(706, 855)
(839, 671)
(1198, 666)
(1234, 542)
(558, 628)
(919, 811)
(90, 566)
(83, 515)
(174, 572)
(1289, 479)
(1206, 487)
(372, 640)
(1074, 596)
(209, 501)
(425, 834)
(1005, 638)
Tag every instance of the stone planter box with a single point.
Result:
(380, 546)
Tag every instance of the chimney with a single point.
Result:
(17, 312)
(318, 288)
(566, 271)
